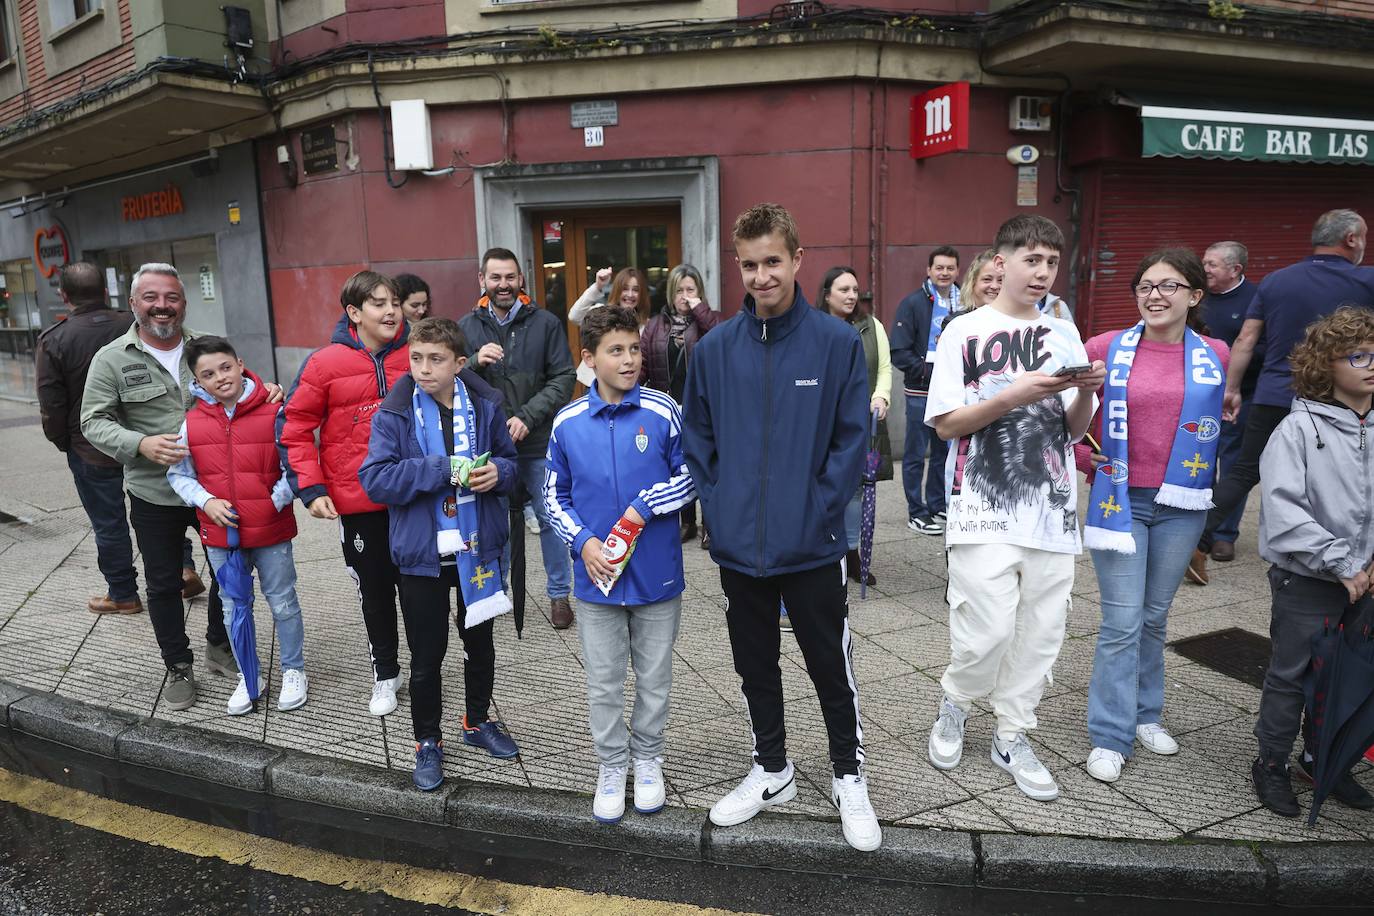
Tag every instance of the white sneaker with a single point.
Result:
(946, 746)
(384, 696)
(239, 704)
(1156, 739)
(294, 685)
(649, 791)
(1017, 758)
(1105, 765)
(759, 790)
(531, 521)
(850, 795)
(609, 804)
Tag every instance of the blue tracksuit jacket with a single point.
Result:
(775, 426)
(605, 457)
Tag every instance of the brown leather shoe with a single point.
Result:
(104, 604)
(1223, 551)
(191, 585)
(1197, 569)
(560, 610)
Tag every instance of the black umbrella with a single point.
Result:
(1343, 726)
(518, 497)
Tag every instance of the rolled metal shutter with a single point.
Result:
(1268, 207)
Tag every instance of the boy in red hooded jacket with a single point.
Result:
(233, 477)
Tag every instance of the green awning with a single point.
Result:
(1206, 133)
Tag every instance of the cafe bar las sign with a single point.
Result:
(1196, 133)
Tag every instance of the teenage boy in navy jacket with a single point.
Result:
(775, 428)
(617, 447)
(432, 511)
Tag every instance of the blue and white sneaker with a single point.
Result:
(609, 805)
(492, 737)
(429, 764)
(649, 789)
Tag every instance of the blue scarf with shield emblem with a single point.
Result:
(455, 508)
(1192, 459)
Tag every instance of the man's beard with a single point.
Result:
(161, 332)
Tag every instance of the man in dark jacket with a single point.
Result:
(522, 351)
(62, 360)
(921, 317)
(775, 425)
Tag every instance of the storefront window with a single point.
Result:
(195, 259)
(20, 320)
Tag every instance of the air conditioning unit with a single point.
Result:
(1031, 112)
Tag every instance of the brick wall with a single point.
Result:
(43, 89)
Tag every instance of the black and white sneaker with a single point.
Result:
(759, 790)
(924, 524)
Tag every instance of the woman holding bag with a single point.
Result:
(1151, 488)
(840, 297)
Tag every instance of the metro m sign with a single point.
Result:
(939, 121)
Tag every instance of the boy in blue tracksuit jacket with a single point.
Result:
(775, 429)
(410, 469)
(618, 447)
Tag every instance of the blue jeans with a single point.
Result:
(557, 558)
(1228, 453)
(1127, 686)
(276, 571)
(853, 516)
(919, 438)
(101, 491)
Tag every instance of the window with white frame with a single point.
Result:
(64, 12)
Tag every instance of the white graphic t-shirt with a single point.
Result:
(1013, 481)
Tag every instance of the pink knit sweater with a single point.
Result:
(1154, 400)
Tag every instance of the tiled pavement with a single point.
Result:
(48, 640)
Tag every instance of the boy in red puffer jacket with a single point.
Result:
(336, 394)
(233, 477)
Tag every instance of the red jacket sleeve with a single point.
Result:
(301, 414)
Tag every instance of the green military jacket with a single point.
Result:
(130, 395)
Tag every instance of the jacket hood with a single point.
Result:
(1329, 416)
(345, 334)
(251, 386)
(780, 326)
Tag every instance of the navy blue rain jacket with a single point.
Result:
(401, 477)
(775, 426)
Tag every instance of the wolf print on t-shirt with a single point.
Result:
(1015, 465)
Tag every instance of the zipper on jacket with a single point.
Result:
(1362, 429)
(615, 485)
(233, 490)
(379, 367)
(766, 426)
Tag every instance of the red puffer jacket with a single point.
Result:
(236, 458)
(337, 392)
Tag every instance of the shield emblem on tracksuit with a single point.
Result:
(641, 440)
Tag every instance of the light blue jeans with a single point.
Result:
(557, 558)
(853, 516)
(276, 571)
(643, 635)
(1127, 686)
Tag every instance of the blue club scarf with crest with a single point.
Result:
(940, 310)
(1192, 459)
(455, 508)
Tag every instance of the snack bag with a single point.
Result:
(462, 468)
(617, 548)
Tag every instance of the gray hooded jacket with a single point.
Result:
(1317, 487)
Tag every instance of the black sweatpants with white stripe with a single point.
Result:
(818, 604)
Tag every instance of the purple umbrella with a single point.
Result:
(868, 505)
(236, 585)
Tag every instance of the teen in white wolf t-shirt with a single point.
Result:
(1013, 526)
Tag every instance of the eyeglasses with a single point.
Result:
(1166, 288)
(1361, 360)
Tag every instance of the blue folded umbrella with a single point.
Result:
(868, 504)
(236, 587)
(1342, 720)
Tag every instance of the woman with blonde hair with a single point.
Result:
(982, 282)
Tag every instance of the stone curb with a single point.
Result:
(1312, 873)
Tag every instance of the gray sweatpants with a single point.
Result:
(642, 635)
(1302, 606)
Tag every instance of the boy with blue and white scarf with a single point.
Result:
(438, 457)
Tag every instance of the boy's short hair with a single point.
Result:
(602, 321)
(1329, 338)
(204, 345)
(944, 251)
(763, 219)
(444, 331)
(358, 287)
(499, 254)
(1029, 231)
